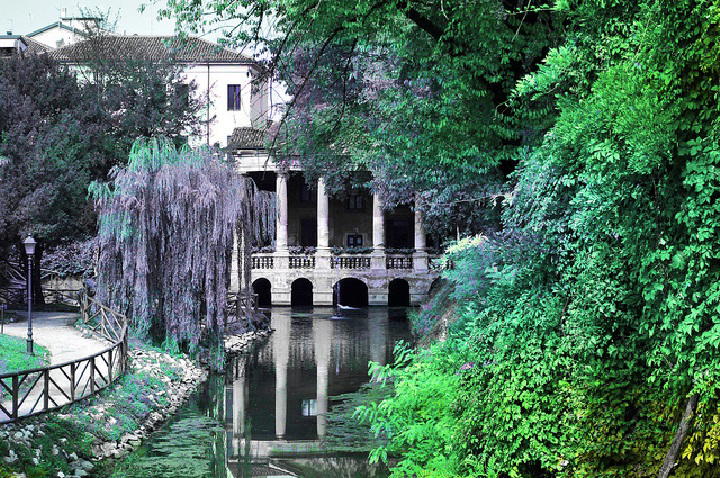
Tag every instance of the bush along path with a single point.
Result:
(77, 440)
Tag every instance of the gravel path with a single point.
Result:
(54, 330)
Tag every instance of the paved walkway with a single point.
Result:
(54, 330)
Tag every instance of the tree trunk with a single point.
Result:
(672, 454)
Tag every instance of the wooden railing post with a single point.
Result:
(110, 364)
(46, 389)
(15, 396)
(72, 381)
(92, 376)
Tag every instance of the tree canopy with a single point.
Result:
(60, 131)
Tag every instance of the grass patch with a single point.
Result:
(13, 355)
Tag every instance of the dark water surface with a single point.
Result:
(265, 417)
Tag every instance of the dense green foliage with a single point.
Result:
(588, 322)
(590, 318)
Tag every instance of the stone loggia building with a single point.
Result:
(360, 253)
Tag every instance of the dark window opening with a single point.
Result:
(398, 293)
(234, 97)
(399, 233)
(354, 240)
(301, 293)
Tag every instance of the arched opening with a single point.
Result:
(301, 293)
(398, 293)
(262, 288)
(350, 292)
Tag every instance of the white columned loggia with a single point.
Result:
(378, 234)
(281, 244)
(420, 254)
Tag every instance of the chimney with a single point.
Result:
(63, 13)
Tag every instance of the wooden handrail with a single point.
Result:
(84, 372)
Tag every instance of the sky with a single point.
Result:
(25, 16)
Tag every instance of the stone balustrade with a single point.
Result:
(399, 262)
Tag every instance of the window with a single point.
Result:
(309, 407)
(234, 97)
(354, 240)
(355, 201)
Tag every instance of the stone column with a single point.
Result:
(322, 255)
(420, 254)
(377, 260)
(281, 244)
(323, 208)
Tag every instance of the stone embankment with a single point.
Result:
(165, 401)
(241, 343)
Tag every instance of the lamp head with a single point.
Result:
(29, 245)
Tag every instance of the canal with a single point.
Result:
(267, 415)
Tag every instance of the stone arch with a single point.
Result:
(398, 293)
(301, 292)
(350, 292)
(263, 289)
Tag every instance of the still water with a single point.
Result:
(266, 416)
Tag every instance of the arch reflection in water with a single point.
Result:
(282, 389)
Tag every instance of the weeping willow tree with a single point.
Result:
(166, 225)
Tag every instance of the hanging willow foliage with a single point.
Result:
(166, 225)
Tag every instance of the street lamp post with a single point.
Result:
(30, 251)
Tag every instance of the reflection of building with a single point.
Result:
(385, 259)
(277, 398)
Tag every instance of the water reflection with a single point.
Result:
(266, 417)
(278, 393)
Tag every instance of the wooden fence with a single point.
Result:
(240, 306)
(30, 392)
